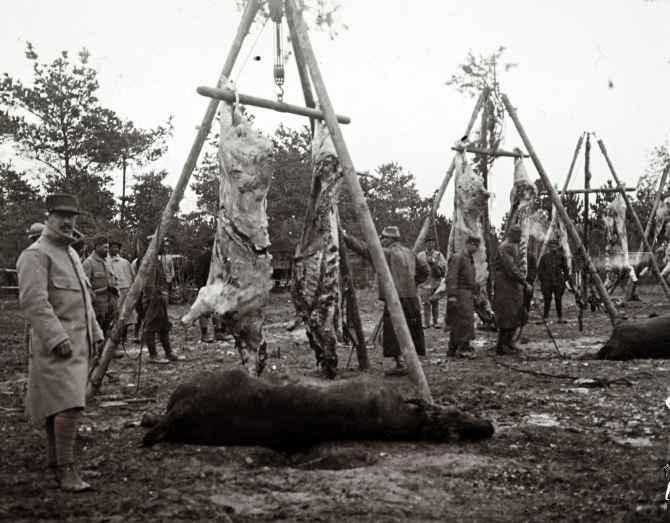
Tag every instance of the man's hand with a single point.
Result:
(529, 288)
(451, 299)
(63, 349)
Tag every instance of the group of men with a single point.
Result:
(417, 277)
(70, 307)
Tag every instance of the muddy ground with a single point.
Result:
(562, 451)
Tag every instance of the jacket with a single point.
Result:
(54, 295)
(508, 300)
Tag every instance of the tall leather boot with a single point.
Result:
(150, 342)
(165, 342)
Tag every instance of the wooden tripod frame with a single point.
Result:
(308, 67)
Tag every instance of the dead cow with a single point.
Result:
(232, 408)
(648, 338)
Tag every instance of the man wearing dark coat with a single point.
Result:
(156, 320)
(460, 297)
(407, 271)
(509, 289)
(553, 274)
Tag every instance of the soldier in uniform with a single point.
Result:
(99, 273)
(438, 267)
(553, 274)
(54, 295)
(123, 277)
(35, 231)
(460, 297)
(510, 286)
(407, 270)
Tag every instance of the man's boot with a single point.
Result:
(70, 480)
(165, 341)
(204, 335)
(150, 342)
(451, 348)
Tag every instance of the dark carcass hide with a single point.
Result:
(240, 274)
(471, 199)
(648, 338)
(232, 408)
(315, 279)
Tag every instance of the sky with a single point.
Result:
(583, 65)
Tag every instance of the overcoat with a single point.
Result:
(54, 295)
(509, 287)
(438, 267)
(461, 285)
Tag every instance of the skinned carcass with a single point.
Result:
(471, 199)
(232, 408)
(240, 273)
(316, 265)
(617, 261)
(648, 338)
(522, 200)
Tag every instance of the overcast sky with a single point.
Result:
(597, 65)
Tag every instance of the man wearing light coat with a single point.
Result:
(55, 297)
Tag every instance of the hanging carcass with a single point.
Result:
(315, 282)
(232, 408)
(471, 199)
(617, 260)
(240, 274)
(522, 200)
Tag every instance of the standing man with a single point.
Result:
(54, 296)
(407, 270)
(460, 297)
(35, 231)
(123, 276)
(155, 305)
(438, 266)
(510, 286)
(553, 274)
(102, 280)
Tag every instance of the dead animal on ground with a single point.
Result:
(645, 338)
(233, 408)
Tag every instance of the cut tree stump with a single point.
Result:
(647, 338)
(232, 408)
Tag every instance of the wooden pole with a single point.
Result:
(636, 219)
(657, 202)
(562, 213)
(363, 213)
(585, 211)
(303, 73)
(345, 267)
(483, 96)
(488, 152)
(352, 303)
(228, 95)
(173, 204)
(604, 190)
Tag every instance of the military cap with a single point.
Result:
(99, 240)
(391, 232)
(115, 242)
(35, 230)
(62, 202)
(473, 239)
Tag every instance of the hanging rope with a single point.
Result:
(276, 14)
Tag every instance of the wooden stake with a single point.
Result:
(173, 204)
(488, 152)
(483, 96)
(562, 213)
(362, 212)
(227, 95)
(636, 219)
(345, 266)
(657, 202)
(585, 211)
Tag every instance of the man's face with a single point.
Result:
(472, 247)
(386, 241)
(62, 222)
(430, 246)
(102, 249)
(114, 249)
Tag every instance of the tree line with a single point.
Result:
(64, 139)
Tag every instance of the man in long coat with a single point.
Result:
(407, 270)
(54, 295)
(438, 267)
(553, 273)
(124, 274)
(460, 297)
(510, 285)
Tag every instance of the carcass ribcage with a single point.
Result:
(316, 269)
(522, 199)
(470, 203)
(240, 275)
